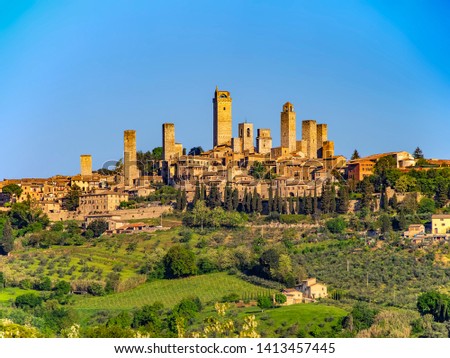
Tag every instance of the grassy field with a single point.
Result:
(9, 294)
(208, 288)
(308, 320)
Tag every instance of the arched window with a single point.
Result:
(248, 132)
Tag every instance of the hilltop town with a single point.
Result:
(297, 167)
(282, 233)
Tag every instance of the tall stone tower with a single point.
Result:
(86, 165)
(309, 134)
(168, 130)
(130, 168)
(246, 135)
(288, 128)
(222, 125)
(322, 136)
(263, 141)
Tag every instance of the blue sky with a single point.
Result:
(75, 74)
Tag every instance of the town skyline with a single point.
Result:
(68, 89)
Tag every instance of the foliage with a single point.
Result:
(434, 303)
(7, 239)
(196, 151)
(98, 227)
(12, 189)
(72, 199)
(179, 262)
(28, 216)
(265, 302)
(280, 298)
(418, 154)
(426, 205)
(355, 155)
(28, 300)
(336, 225)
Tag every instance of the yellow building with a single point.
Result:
(222, 124)
(440, 224)
(313, 290)
(101, 202)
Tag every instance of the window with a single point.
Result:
(248, 132)
(224, 108)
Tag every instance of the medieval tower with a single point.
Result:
(246, 135)
(168, 130)
(309, 134)
(288, 128)
(86, 164)
(322, 136)
(222, 126)
(263, 141)
(130, 168)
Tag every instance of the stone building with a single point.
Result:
(288, 128)
(263, 141)
(131, 171)
(85, 165)
(222, 121)
(171, 149)
(309, 135)
(102, 202)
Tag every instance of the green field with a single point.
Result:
(9, 294)
(307, 319)
(208, 288)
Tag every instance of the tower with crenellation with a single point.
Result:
(288, 128)
(222, 119)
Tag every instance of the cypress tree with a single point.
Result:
(7, 242)
(383, 200)
(197, 194)
(235, 199)
(333, 199)
(326, 198)
(259, 205)
(203, 195)
(303, 206)
(255, 200)
(275, 202)
(298, 205)
(285, 206)
(270, 204)
(308, 205)
(291, 205)
(178, 204)
(344, 199)
(228, 198)
(441, 195)
(183, 200)
(280, 203)
(315, 202)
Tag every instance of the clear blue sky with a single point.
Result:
(75, 74)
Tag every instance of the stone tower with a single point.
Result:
(263, 141)
(86, 165)
(168, 130)
(130, 169)
(322, 136)
(288, 128)
(309, 134)
(246, 135)
(222, 125)
(328, 149)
